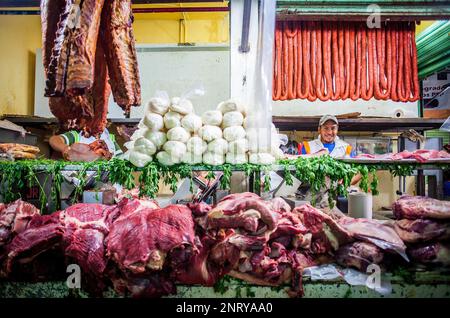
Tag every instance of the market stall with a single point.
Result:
(208, 203)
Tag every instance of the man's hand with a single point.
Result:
(80, 152)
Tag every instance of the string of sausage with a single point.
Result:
(400, 80)
(378, 64)
(407, 61)
(291, 33)
(326, 33)
(336, 72)
(388, 58)
(277, 64)
(285, 63)
(415, 74)
(352, 60)
(312, 90)
(319, 81)
(395, 60)
(345, 60)
(305, 53)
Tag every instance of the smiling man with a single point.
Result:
(328, 142)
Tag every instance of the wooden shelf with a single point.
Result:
(286, 123)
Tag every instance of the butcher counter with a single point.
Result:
(405, 284)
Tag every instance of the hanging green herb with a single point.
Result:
(288, 175)
(267, 179)
(225, 182)
(374, 183)
(57, 179)
(121, 172)
(149, 181)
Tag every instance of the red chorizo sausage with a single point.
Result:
(277, 66)
(341, 59)
(388, 59)
(380, 57)
(347, 62)
(394, 72)
(352, 60)
(336, 74)
(415, 75)
(285, 55)
(363, 63)
(291, 32)
(357, 91)
(318, 82)
(306, 43)
(378, 71)
(400, 80)
(407, 61)
(327, 59)
(313, 56)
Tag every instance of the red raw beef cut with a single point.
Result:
(372, 231)
(436, 253)
(43, 233)
(246, 210)
(359, 255)
(422, 230)
(14, 219)
(327, 234)
(417, 207)
(140, 240)
(85, 228)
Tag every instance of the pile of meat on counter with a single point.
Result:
(143, 250)
(424, 225)
(420, 155)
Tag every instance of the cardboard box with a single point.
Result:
(436, 95)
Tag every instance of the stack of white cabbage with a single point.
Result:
(172, 131)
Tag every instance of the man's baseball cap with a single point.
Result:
(326, 118)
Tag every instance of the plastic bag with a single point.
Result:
(159, 103)
(351, 276)
(260, 109)
(446, 125)
(183, 104)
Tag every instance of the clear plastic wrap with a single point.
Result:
(183, 104)
(259, 116)
(330, 272)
